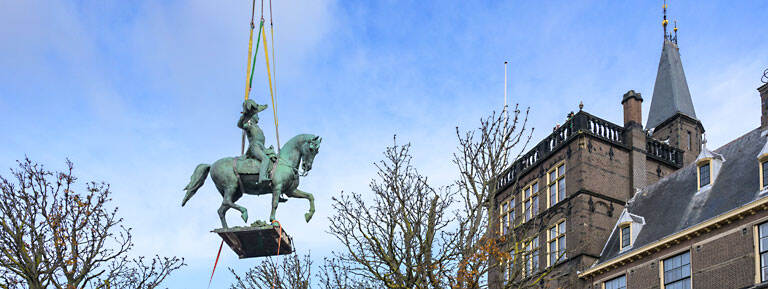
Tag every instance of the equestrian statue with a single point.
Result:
(259, 171)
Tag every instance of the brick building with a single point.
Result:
(601, 205)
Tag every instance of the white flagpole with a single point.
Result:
(505, 90)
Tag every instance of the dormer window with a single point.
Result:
(762, 160)
(705, 171)
(627, 228)
(764, 173)
(708, 164)
(625, 235)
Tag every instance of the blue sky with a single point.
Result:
(137, 93)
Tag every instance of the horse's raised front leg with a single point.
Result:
(304, 195)
(276, 190)
(227, 201)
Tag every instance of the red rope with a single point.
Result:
(217, 261)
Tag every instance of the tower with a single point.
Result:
(672, 116)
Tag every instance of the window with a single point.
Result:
(530, 201)
(506, 267)
(506, 216)
(677, 272)
(556, 243)
(625, 235)
(704, 173)
(763, 174)
(532, 256)
(763, 250)
(616, 283)
(556, 184)
(689, 140)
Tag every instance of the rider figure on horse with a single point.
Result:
(249, 122)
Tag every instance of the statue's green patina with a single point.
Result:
(235, 176)
(249, 122)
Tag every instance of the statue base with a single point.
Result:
(260, 241)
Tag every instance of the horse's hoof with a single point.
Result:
(282, 200)
(308, 216)
(245, 217)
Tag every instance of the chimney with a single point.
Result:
(763, 106)
(635, 137)
(633, 109)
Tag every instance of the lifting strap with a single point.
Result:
(274, 50)
(253, 66)
(215, 263)
(249, 84)
(248, 77)
(271, 93)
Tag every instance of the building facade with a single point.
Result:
(601, 205)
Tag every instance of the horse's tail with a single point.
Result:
(196, 181)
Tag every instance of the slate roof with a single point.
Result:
(670, 92)
(672, 204)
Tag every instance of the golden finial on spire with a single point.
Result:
(665, 21)
(674, 38)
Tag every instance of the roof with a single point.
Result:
(674, 204)
(707, 154)
(670, 92)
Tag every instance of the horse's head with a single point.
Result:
(308, 152)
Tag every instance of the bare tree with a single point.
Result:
(9, 280)
(56, 235)
(484, 155)
(138, 274)
(293, 272)
(335, 275)
(409, 234)
(400, 240)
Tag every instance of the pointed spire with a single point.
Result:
(670, 92)
(674, 38)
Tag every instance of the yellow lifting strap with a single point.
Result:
(247, 74)
(271, 93)
(250, 49)
(248, 64)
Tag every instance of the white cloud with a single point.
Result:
(138, 95)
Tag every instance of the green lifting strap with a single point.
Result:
(253, 66)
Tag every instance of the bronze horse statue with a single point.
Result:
(232, 183)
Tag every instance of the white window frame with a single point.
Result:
(763, 161)
(622, 226)
(761, 249)
(615, 279)
(530, 203)
(555, 177)
(506, 216)
(531, 253)
(663, 270)
(699, 165)
(558, 238)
